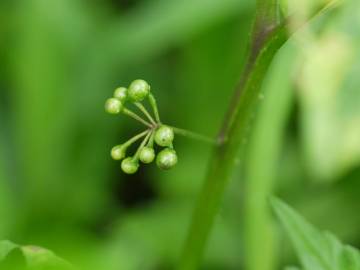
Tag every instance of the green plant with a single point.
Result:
(57, 186)
(270, 31)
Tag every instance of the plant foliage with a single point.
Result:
(317, 250)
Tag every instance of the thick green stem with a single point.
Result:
(268, 12)
(232, 135)
(264, 42)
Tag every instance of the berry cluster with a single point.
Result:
(157, 133)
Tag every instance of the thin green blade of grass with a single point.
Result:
(262, 157)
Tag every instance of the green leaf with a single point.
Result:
(317, 250)
(5, 248)
(34, 257)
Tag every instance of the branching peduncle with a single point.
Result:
(143, 143)
(146, 113)
(151, 140)
(136, 117)
(154, 106)
(136, 137)
(194, 135)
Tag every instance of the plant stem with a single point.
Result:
(264, 42)
(268, 13)
(194, 135)
(136, 117)
(232, 135)
(136, 137)
(144, 111)
(136, 156)
(154, 106)
(151, 140)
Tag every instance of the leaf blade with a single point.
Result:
(5, 248)
(316, 250)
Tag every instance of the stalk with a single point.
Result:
(136, 137)
(136, 117)
(268, 35)
(194, 135)
(154, 106)
(145, 112)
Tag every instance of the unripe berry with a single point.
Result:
(113, 106)
(164, 136)
(138, 90)
(118, 152)
(147, 155)
(166, 159)
(121, 94)
(129, 165)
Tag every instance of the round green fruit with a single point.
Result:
(138, 90)
(129, 165)
(164, 136)
(113, 106)
(121, 94)
(166, 159)
(118, 152)
(147, 155)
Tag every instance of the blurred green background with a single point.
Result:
(60, 189)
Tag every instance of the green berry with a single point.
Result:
(147, 155)
(118, 152)
(113, 106)
(129, 165)
(164, 136)
(121, 94)
(138, 90)
(166, 159)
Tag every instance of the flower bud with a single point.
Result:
(113, 106)
(121, 94)
(138, 90)
(166, 159)
(164, 136)
(118, 152)
(129, 165)
(147, 155)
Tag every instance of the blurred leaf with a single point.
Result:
(43, 66)
(36, 257)
(5, 248)
(151, 237)
(161, 23)
(317, 250)
(329, 94)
